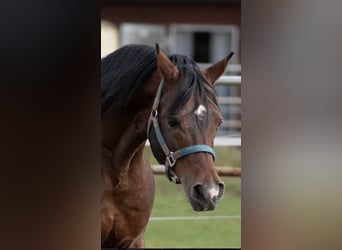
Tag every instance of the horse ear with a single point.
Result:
(213, 72)
(166, 69)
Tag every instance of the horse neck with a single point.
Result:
(126, 134)
(124, 130)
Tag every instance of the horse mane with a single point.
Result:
(193, 83)
(125, 69)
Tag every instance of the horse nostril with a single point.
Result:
(198, 191)
(221, 190)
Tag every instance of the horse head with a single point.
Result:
(184, 120)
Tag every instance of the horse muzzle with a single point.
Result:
(206, 198)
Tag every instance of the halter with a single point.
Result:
(171, 157)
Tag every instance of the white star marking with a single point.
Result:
(201, 110)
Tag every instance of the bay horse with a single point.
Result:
(146, 94)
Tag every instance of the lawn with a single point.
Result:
(171, 201)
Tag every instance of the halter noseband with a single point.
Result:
(171, 157)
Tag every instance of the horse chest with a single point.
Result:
(126, 207)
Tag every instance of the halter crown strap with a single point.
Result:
(171, 157)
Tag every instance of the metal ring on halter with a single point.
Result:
(154, 113)
(170, 174)
(171, 160)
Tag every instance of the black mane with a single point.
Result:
(193, 83)
(123, 71)
(126, 68)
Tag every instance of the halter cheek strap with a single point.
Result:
(171, 157)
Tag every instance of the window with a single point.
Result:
(143, 34)
(204, 43)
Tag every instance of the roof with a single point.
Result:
(171, 2)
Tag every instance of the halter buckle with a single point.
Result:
(154, 113)
(171, 159)
(172, 176)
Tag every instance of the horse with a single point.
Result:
(168, 100)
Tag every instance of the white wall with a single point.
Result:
(109, 38)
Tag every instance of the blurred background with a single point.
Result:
(207, 31)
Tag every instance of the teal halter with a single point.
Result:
(171, 157)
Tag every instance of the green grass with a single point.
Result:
(170, 200)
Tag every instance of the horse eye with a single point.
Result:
(219, 124)
(173, 122)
